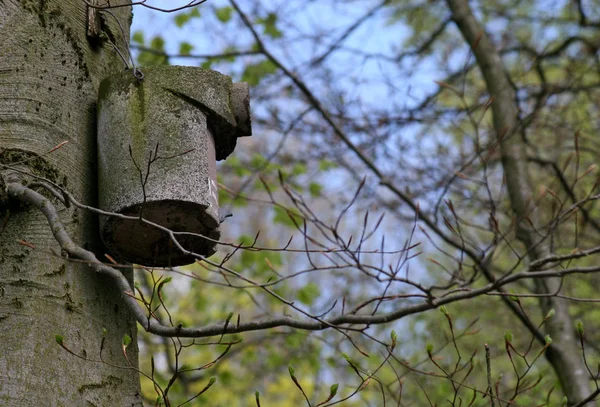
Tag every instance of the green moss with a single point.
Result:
(120, 83)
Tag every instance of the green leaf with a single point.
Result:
(254, 73)
(270, 24)
(164, 282)
(181, 19)
(333, 390)
(309, 293)
(291, 370)
(349, 360)
(429, 348)
(224, 13)
(394, 338)
(185, 48)
(138, 37)
(326, 165)
(126, 340)
(158, 43)
(508, 336)
(315, 189)
(59, 339)
(150, 58)
(258, 160)
(289, 217)
(579, 326)
(299, 169)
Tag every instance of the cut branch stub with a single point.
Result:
(158, 140)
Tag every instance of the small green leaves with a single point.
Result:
(138, 37)
(350, 361)
(579, 326)
(254, 73)
(333, 390)
(429, 349)
(508, 336)
(548, 339)
(162, 284)
(157, 43)
(257, 398)
(394, 338)
(315, 189)
(59, 339)
(444, 310)
(287, 217)
(309, 293)
(291, 370)
(224, 13)
(326, 165)
(564, 401)
(299, 168)
(185, 48)
(270, 24)
(183, 18)
(126, 340)
(550, 313)
(155, 57)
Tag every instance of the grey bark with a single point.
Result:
(49, 77)
(564, 354)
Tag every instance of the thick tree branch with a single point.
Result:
(563, 354)
(343, 322)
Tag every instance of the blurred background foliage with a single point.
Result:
(399, 80)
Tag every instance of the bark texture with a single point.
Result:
(564, 354)
(49, 77)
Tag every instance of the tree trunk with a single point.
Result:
(49, 77)
(564, 354)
